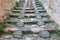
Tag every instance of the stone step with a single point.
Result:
(30, 8)
(20, 24)
(37, 29)
(18, 34)
(11, 27)
(47, 19)
(50, 27)
(39, 8)
(52, 24)
(38, 16)
(29, 11)
(42, 11)
(14, 14)
(40, 22)
(30, 15)
(21, 16)
(12, 20)
(44, 14)
(30, 26)
(18, 8)
(29, 20)
(44, 34)
(16, 11)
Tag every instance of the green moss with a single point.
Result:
(14, 7)
(17, 4)
(58, 32)
(40, 4)
(3, 26)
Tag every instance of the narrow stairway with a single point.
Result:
(31, 23)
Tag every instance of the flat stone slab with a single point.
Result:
(29, 15)
(16, 11)
(44, 14)
(47, 19)
(7, 37)
(11, 27)
(42, 11)
(14, 14)
(20, 24)
(40, 22)
(29, 20)
(21, 16)
(18, 8)
(17, 34)
(12, 20)
(29, 10)
(44, 34)
(39, 8)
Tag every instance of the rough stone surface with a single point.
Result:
(44, 34)
(30, 28)
(17, 34)
(4, 9)
(52, 7)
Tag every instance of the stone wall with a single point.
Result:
(5, 8)
(53, 9)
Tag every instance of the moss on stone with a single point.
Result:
(58, 32)
(17, 4)
(2, 27)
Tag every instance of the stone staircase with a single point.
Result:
(30, 23)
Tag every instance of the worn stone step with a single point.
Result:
(29, 10)
(44, 14)
(52, 24)
(30, 26)
(38, 16)
(18, 8)
(30, 15)
(47, 19)
(20, 24)
(28, 37)
(16, 11)
(40, 22)
(18, 34)
(12, 20)
(29, 20)
(50, 27)
(44, 34)
(17, 39)
(14, 14)
(42, 11)
(21, 16)
(37, 29)
(11, 27)
(39, 8)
